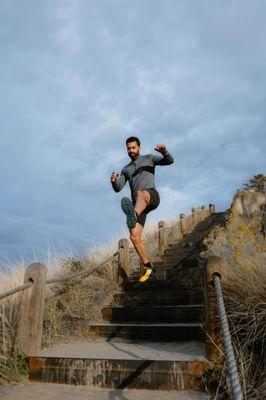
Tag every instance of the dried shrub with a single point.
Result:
(12, 366)
(72, 305)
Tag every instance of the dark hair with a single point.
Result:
(133, 139)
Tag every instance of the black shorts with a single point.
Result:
(155, 201)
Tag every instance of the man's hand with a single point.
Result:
(114, 177)
(161, 148)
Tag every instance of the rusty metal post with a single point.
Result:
(161, 237)
(123, 261)
(212, 321)
(30, 320)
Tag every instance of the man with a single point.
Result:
(145, 198)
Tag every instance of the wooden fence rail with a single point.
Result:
(33, 290)
(15, 290)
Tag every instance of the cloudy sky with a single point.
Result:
(78, 77)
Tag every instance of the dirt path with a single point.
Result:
(43, 391)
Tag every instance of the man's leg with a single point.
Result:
(143, 199)
(134, 210)
(135, 237)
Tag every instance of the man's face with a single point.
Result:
(133, 149)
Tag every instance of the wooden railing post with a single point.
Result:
(212, 322)
(30, 320)
(123, 261)
(161, 237)
(183, 225)
(212, 209)
(202, 213)
(193, 216)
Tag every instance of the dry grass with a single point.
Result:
(70, 306)
(242, 245)
(12, 367)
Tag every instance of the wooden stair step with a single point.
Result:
(151, 331)
(120, 374)
(159, 298)
(184, 313)
(162, 285)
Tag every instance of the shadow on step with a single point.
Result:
(135, 374)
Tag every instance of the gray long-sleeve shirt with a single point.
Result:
(140, 173)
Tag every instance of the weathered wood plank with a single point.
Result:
(31, 311)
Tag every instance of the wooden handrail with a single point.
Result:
(80, 274)
(15, 290)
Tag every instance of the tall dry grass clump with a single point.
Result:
(12, 366)
(71, 305)
(242, 245)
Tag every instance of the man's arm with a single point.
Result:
(118, 182)
(167, 159)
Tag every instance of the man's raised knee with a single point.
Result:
(140, 194)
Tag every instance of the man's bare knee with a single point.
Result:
(134, 238)
(140, 194)
(143, 195)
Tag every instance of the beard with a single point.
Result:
(133, 155)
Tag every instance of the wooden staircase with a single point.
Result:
(151, 336)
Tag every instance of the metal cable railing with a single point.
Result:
(228, 347)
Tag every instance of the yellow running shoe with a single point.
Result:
(148, 273)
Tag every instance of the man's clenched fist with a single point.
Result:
(161, 148)
(114, 177)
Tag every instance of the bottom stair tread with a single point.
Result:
(117, 349)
